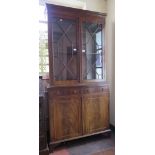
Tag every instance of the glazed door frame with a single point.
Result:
(98, 20)
(70, 17)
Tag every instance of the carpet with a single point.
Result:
(106, 152)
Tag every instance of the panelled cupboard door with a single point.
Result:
(65, 112)
(95, 113)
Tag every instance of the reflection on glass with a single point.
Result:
(92, 50)
(65, 52)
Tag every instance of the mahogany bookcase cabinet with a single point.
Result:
(78, 95)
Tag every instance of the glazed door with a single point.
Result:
(64, 51)
(95, 113)
(92, 48)
(65, 112)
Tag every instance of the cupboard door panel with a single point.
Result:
(66, 117)
(95, 113)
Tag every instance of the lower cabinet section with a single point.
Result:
(76, 112)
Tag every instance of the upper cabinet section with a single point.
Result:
(76, 45)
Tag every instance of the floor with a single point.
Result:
(93, 145)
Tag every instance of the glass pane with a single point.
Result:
(43, 49)
(43, 40)
(43, 69)
(65, 52)
(92, 48)
(44, 60)
(98, 73)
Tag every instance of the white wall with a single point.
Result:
(81, 4)
(96, 5)
(110, 57)
(93, 5)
